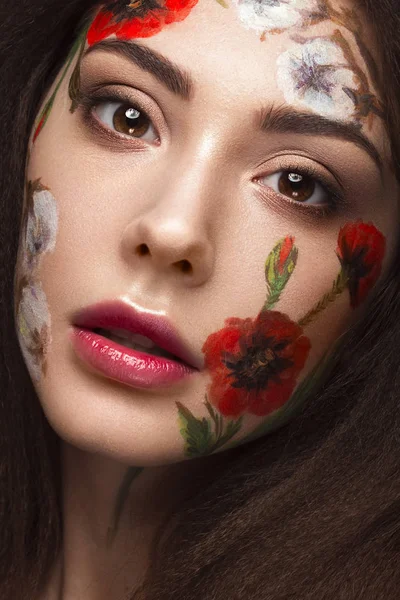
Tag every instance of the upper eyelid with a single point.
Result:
(292, 163)
(126, 89)
(318, 180)
(112, 93)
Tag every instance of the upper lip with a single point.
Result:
(118, 315)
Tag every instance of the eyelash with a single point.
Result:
(335, 197)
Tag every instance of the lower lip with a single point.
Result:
(126, 365)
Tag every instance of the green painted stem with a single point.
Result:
(71, 56)
(130, 475)
(50, 102)
(339, 286)
(74, 82)
(271, 301)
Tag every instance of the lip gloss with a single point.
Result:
(126, 365)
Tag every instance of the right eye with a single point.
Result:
(126, 119)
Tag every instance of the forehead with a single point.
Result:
(238, 29)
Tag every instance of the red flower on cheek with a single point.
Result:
(137, 19)
(254, 363)
(361, 249)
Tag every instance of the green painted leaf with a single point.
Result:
(232, 429)
(197, 433)
(44, 115)
(222, 3)
(130, 475)
(276, 274)
(200, 439)
(74, 85)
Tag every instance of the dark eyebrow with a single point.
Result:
(286, 120)
(176, 79)
(272, 120)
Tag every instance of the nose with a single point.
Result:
(171, 236)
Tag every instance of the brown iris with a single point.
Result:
(131, 121)
(297, 186)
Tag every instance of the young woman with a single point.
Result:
(200, 299)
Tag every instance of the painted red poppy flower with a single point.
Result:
(361, 249)
(137, 19)
(254, 363)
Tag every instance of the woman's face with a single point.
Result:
(213, 181)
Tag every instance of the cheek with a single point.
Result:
(256, 363)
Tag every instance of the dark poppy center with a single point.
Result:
(259, 364)
(356, 268)
(129, 9)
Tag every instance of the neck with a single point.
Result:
(104, 555)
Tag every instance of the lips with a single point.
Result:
(132, 347)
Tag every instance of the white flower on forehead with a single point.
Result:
(316, 74)
(33, 326)
(270, 15)
(41, 227)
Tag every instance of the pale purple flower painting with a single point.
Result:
(315, 74)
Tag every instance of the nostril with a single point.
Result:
(184, 266)
(142, 250)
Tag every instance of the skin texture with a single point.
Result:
(200, 188)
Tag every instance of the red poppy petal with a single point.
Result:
(178, 9)
(101, 27)
(225, 340)
(273, 323)
(218, 343)
(301, 352)
(361, 242)
(149, 25)
(233, 402)
(273, 398)
(347, 238)
(39, 128)
(364, 287)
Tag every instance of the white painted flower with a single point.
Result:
(33, 327)
(41, 228)
(315, 74)
(272, 15)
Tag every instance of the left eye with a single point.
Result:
(297, 186)
(126, 119)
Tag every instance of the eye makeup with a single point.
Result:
(334, 197)
(109, 99)
(132, 109)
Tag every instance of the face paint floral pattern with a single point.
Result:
(137, 19)
(315, 74)
(254, 363)
(39, 226)
(33, 328)
(277, 15)
(361, 248)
